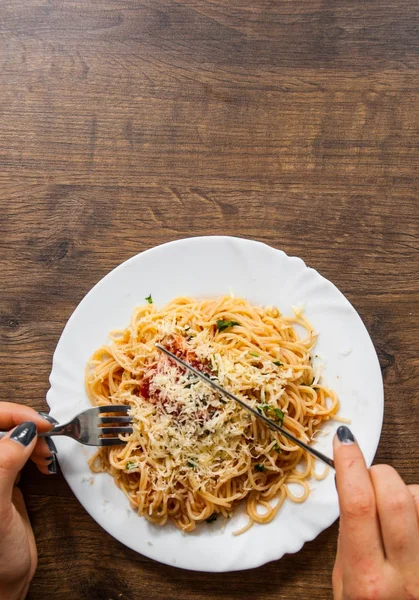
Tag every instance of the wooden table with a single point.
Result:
(130, 123)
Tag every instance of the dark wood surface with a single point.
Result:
(126, 124)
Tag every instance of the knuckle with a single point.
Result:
(7, 463)
(370, 585)
(366, 592)
(358, 505)
(397, 503)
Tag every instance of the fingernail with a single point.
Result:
(50, 443)
(48, 417)
(24, 433)
(345, 435)
(52, 467)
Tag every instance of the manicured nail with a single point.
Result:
(50, 443)
(345, 435)
(24, 433)
(52, 467)
(48, 417)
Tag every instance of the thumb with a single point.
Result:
(14, 452)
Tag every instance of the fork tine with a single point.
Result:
(113, 408)
(114, 420)
(110, 442)
(106, 430)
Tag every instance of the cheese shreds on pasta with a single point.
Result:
(195, 454)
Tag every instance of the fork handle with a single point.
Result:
(57, 430)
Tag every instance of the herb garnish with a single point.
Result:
(149, 299)
(223, 324)
(130, 465)
(254, 354)
(278, 363)
(272, 412)
(260, 468)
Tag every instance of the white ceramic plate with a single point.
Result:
(208, 267)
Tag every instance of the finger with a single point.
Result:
(397, 514)
(337, 582)
(15, 450)
(19, 503)
(44, 447)
(414, 490)
(12, 414)
(360, 537)
(44, 464)
(44, 456)
(47, 465)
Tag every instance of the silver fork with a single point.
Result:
(88, 426)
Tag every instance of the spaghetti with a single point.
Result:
(194, 454)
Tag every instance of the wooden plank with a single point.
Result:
(292, 123)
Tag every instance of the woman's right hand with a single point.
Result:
(378, 545)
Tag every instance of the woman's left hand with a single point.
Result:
(18, 556)
(13, 414)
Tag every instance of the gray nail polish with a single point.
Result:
(50, 443)
(48, 417)
(345, 435)
(52, 467)
(24, 433)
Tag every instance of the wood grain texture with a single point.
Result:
(130, 123)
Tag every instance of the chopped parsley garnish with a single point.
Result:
(149, 299)
(211, 519)
(278, 363)
(278, 448)
(222, 324)
(191, 464)
(260, 468)
(272, 412)
(130, 465)
(254, 354)
(279, 415)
